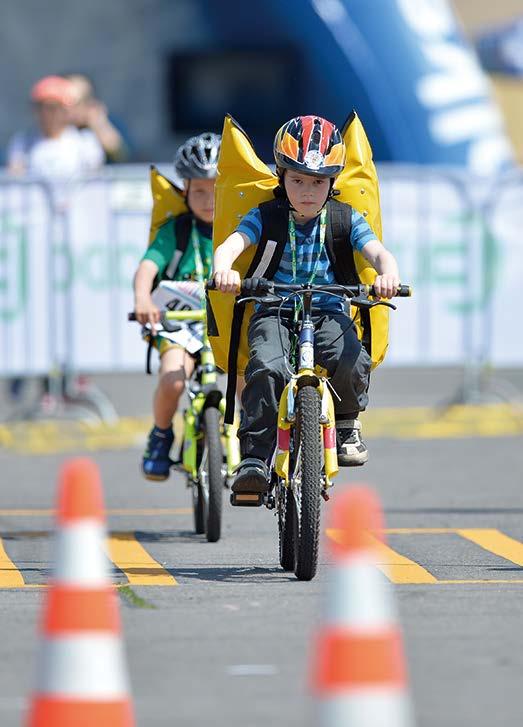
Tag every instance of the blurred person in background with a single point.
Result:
(88, 113)
(181, 251)
(54, 149)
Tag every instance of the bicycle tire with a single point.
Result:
(215, 480)
(287, 529)
(308, 444)
(199, 509)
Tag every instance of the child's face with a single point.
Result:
(306, 194)
(200, 198)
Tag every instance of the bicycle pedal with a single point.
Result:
(247, 499)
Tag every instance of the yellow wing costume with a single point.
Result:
(244, 182)
(168, 201)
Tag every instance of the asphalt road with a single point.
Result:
(228, 642)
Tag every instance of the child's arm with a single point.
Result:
(146, 311)
(225, 279)
(384, 263)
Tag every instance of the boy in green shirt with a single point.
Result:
(181, 251)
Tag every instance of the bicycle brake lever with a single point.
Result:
(366, 303)
(260, 299)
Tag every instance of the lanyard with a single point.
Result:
(292, 240)
(198, 262)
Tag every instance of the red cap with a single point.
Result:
(55, 89)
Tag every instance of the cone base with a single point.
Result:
(376, 707)
(77, 713)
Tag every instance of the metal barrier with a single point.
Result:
(68, 254)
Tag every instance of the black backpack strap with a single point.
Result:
(338, 242)
(232, 361)
(342, 258)
(275, 221)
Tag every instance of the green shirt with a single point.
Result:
(163, 247)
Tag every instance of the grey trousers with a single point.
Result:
(345, 359)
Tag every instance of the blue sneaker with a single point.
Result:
(156, 462)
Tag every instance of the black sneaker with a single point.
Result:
(352, 451)
(252, 475)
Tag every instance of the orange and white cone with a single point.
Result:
(81, 675)
(359, 673)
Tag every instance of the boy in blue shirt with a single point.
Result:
(309, 154)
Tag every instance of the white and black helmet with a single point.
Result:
(197, 158)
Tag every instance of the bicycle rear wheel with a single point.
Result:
(211, 478)
(307, 481)
(199, 508)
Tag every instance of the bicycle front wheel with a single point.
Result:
(307, 480)
(211, 473)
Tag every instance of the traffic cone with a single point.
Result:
(81, 676)
(359, 673)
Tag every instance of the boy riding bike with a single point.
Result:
(181, 251)
(311, 238)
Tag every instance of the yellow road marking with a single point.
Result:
(492, 420)
(419, 531)
(495, 542)
(400, 569)
(482, 581)
(132, 558)
(397, 568)
(10, 576)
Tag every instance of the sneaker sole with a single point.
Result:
(156, 478)
(354, 462)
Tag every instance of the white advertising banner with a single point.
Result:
(66, 270)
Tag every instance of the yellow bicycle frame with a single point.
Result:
(192, 432)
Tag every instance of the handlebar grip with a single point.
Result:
(404, 291)
(131, 316)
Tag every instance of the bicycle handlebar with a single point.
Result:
(198, 314)
(351, 291)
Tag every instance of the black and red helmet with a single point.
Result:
(310, 145)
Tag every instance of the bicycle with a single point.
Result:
(304, 461)
(205, 461)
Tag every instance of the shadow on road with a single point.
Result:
(233, 574)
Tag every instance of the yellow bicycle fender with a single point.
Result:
(284, 432)
(330, 453)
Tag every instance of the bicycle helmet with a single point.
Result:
(197, 158)
(310, 145)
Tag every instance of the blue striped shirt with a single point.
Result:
(307, 250)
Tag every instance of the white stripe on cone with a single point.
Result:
(369, 708)
(359, 596)
(79, 554)
(89, 667)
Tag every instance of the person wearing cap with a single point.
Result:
(89, 114)
(54, 149)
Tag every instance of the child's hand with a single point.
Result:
(147, 312)
(228, 281)
(386, 286)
